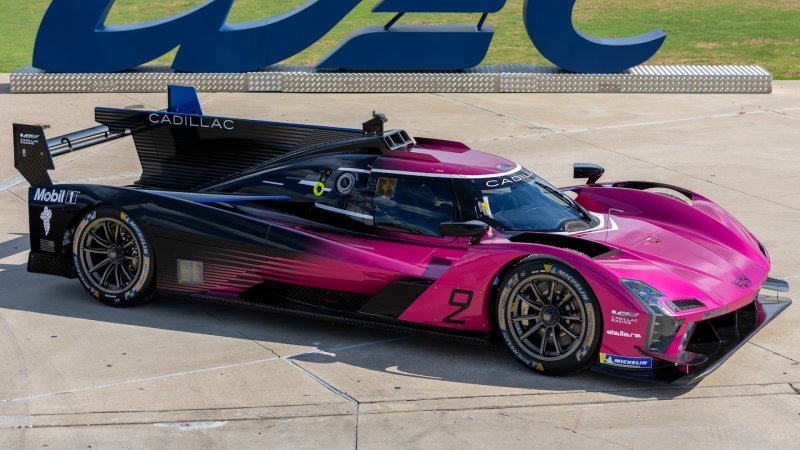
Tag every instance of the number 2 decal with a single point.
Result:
(462, 299)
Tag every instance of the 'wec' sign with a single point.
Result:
(73, 37)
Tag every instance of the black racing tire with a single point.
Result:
(113, 258)
(548, 317)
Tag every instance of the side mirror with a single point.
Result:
(586, 170)
(474, 228)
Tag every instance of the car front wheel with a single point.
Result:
(548, 317)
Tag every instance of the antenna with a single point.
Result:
(374, 126)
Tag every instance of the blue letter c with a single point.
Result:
(549, 26)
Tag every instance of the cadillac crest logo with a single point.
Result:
(743, 282)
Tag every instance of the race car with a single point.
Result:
(371, 226)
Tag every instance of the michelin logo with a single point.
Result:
(55, 196)
(626, 361)
(46, 215)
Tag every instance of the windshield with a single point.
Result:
(524, 202)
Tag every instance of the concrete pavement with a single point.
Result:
(78, 374)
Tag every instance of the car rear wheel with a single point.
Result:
(548, 317)
(113, 258)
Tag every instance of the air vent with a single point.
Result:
(685, 304)
(397, 139)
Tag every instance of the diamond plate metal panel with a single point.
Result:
(646, 79)
(511, 78)
(151, 79)
(265, 81)
(390, 82)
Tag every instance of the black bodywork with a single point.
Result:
(195, 204)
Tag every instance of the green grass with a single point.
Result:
(699, 31)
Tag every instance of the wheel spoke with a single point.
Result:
(126, 273)
(536, 292)
(564, 300)
(524, 318)
(531, 330)
(529, 302)
(99, 240)
(107, 232)
(567, 330)
(106, 273)
(131, 242)
(116, 276)
(543, 343)
(557, 344)
(95, 250)
(552, 292)
(102, 263)
(575, 318)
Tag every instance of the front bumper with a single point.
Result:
(714, 341)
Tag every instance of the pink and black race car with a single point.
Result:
(368, 226)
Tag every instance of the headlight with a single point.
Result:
(662, 326)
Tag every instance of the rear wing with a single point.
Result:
(33, 152)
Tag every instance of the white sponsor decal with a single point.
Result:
(28, 139)
(191, 121)
(55, 196)
(517, 177)
(624, 317)
(624, 334)
(46, 215)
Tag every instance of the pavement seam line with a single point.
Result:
(182, 410)
(336, 391)
(242, 334)
(430, 410)
(774, 352)
(752, 105)
(654, 390)
(20, 198)
(134, 381)
(660, 122)
(496, 114)
(192, 372)
(13, 194)
(214, 99)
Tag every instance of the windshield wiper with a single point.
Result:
(566, 199)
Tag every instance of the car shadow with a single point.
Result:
(376, 350)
